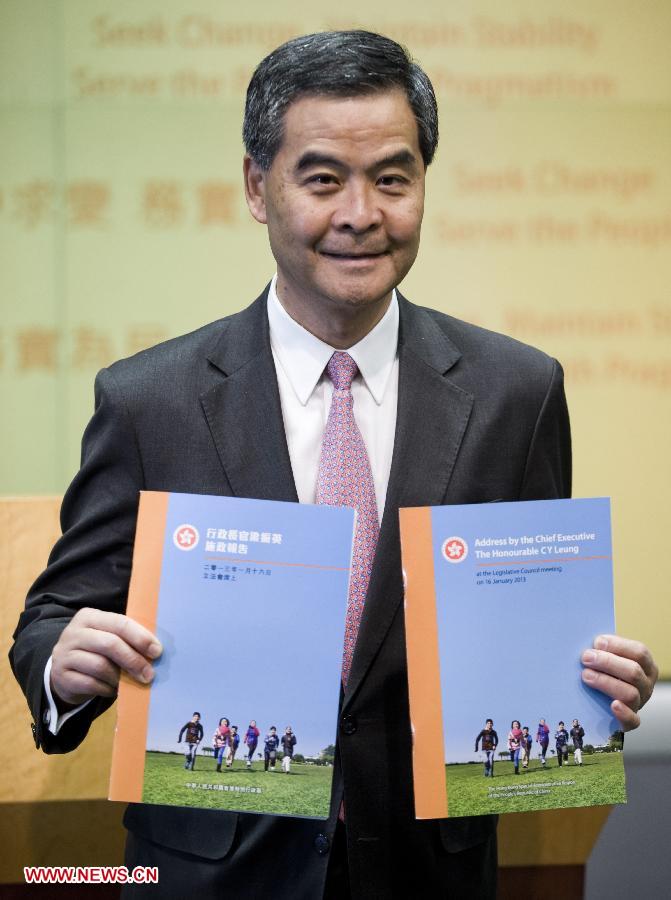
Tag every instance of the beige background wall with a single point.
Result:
(549, 216)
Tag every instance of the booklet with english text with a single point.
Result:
(248, 598)
(500, 601)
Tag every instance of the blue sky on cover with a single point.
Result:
(263, 647)
(512, 651)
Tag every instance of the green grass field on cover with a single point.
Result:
(305, 791)
(598, 782)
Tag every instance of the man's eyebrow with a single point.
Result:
(402, 158)
(312, 158)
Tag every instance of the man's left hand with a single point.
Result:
(625, 671)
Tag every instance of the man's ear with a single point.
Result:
(255, 189)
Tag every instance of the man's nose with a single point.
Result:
(358, 208)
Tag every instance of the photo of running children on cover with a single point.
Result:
(231, 768)
(244, 705)
(537, 762)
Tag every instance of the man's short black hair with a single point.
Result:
(195, 714)
(489, 720)
(335, 64)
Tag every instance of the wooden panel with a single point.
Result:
(85, 833)
(550, 837)
(30, 528)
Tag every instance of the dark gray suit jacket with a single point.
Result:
(480, 418)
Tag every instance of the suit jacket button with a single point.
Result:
(348, 724)
(322, 844)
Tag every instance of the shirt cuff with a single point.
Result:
(50, 716)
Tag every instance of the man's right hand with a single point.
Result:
(93, 649)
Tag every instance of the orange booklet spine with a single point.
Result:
(426, 714)
(128, 753)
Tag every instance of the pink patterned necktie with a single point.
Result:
(345, 479)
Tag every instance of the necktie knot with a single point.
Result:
(341, 369)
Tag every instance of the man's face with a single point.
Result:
(488, 726)
(343, 201)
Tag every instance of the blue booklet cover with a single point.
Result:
(501, 600)
(248, 598)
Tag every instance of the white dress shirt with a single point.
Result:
(305, 396)
(306, 391)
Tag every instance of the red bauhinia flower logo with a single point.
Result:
(455, 549)
(185, 537)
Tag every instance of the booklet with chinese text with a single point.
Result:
(501, 600)
(248, 598)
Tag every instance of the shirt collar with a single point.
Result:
(303, 356)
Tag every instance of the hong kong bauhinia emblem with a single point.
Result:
(185, 537)
(455, 549)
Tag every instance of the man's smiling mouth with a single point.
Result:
(340, 255)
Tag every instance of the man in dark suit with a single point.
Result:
(339, 130)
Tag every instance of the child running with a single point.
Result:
(220, 741)
(270, 744)
(232, 745)
(194, 735)
(490, 741)
(543, 738)
(577, 736)
(515, 744)
(288, 744)
(251, 740)
(527, 744)
(561, 743)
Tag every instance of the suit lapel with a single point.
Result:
(244, 415)
(431, 420)
(243, 409)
